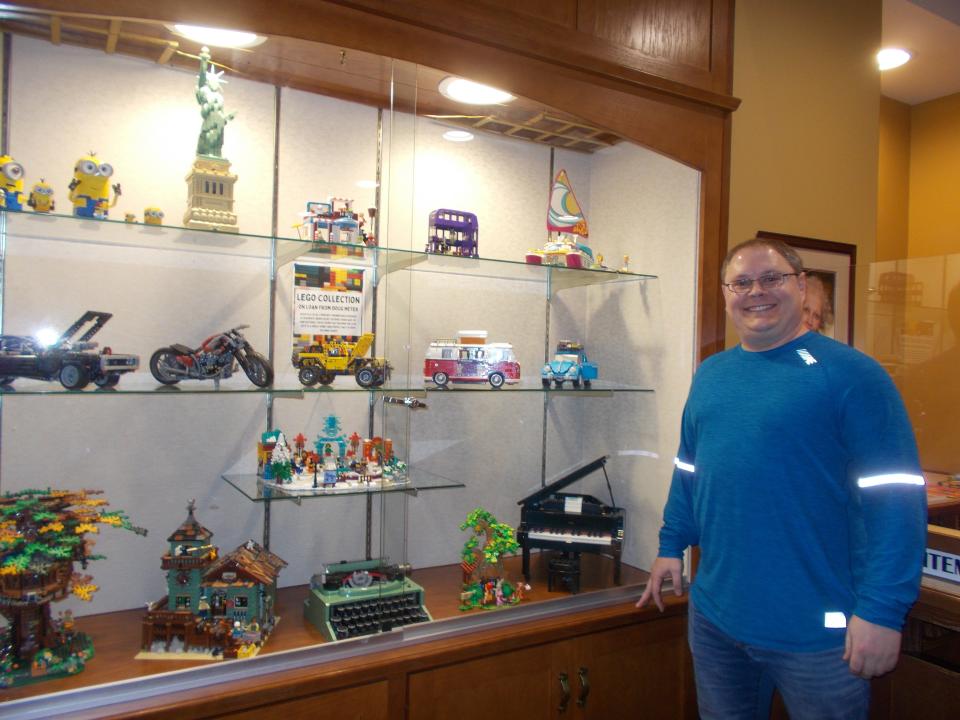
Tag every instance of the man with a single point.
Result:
(797, 475)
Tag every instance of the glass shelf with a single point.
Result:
(142, 383)
(117, 233)
(386, 260)
(253, 487)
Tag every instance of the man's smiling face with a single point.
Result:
(764, 319)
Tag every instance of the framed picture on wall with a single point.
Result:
(830, 268)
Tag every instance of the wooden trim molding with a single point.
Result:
(350, 22)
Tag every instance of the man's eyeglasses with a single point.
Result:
(769, 281)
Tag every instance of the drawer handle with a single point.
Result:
(584, 687)
(564, 693)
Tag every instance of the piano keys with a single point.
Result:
(571, 522)
(576, 535)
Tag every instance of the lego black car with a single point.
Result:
(75, 363)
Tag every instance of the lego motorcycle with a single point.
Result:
(216, 359)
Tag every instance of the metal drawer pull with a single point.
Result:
(564, 693)
(584, 687)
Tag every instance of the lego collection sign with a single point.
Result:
(327, 302)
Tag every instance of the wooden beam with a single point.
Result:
(168, 52)
(113, 35)
(55, 29)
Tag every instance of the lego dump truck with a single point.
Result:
(322, 362)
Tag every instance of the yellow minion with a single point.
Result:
(41, 197)
(11, 175)
(89, 192)
(153, 216)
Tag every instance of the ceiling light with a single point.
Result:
(458, 136)
(366, 184)
(218, 37)
(472, 93)
(889, 58)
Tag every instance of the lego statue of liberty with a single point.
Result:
(210, 98)
(210, 204)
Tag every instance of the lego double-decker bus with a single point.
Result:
(453, 232)
(470, 359)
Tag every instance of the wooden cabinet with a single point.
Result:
(364, 702)
(919, 688)
(639, 670)
(521, 683)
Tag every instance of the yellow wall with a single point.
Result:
(893, 187)
(805, 140)
(935, 178)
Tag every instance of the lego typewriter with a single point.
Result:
(351, 599)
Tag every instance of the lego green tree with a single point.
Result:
(43, 533)
(482, 561)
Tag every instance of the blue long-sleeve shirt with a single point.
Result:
(798, 477)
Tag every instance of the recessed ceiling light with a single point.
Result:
(366, 184)
(889, 58)
(458, 136)
(218, 37)
(467, 91)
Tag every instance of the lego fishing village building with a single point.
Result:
(215, 606)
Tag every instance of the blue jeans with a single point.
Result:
(735, 680)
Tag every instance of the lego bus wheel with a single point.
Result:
(496, 380)
(441, 379)
(74, 377)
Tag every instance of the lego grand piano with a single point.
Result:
(571, 522)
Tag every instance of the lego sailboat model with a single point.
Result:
(564, 217)
(564, 214)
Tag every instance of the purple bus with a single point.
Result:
(453, 232)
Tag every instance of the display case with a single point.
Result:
(912, 310)
(155, 448)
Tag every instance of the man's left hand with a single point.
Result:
(871, 650)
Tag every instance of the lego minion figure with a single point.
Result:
(89, 191)
(153, 216)
(41, 197)
(11, 175)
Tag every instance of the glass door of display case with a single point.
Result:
(462, 307)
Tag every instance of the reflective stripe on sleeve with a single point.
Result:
(891, 479)
(834, 620)
(683, 466)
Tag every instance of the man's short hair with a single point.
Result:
(780, 247)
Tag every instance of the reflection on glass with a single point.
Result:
(914, 321)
